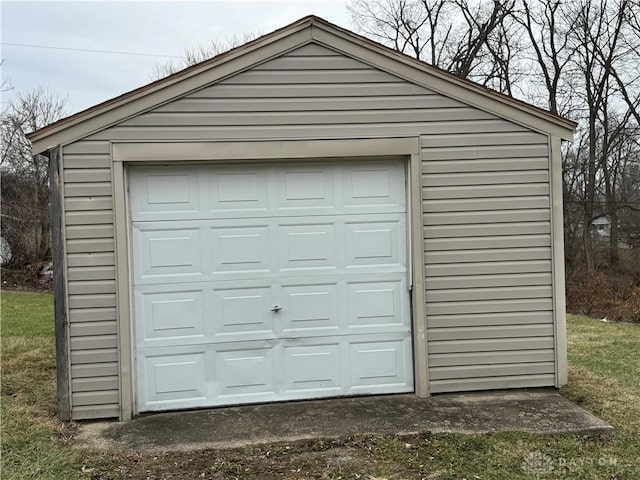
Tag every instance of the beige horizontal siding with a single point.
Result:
(92, 342)
(91, 273)
(86, 329)
(91, 231)
(487, 255)
(484, 280)
(317, 62)
(92, 384)
(474, 243)
(97, 355)
(87, 161)
(488, 293)
(490, 319)
(78, 175)
(486, 212)
(490, 358)
(92, 286)
(485, 178)
(88, 203)
(492, 165)
(93, 300)
(491, 229)
(490, 344)
(484, 191)
(490, 204)
(489, 306)
(90, 259)
(272, 119)
(498, 370)
(497, 331)
(453, 140)
(316, 76)
(93, 412)
(488, 260)
(467, 385)
(83, 148)
(94, 370)
(84, 217)
(91, 279)
(92, 314)
(98, 397)
(87, 189)
(224, 105)
(485, 152)
(92, 245)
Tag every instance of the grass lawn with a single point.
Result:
(604, 378)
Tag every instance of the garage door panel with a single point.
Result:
(373, 243)
(240, 249)
(314, 368)
(274, 282)
(242, 314)
(236, 190)
(374, 185)
(244, 372)
(305, 247)
(310, 309)
(374, 304)
(165, 253)
(167, 193)
(304, 190)
(170, 315)
(177, 376)
(380, 366)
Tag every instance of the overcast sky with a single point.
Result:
(150, 27)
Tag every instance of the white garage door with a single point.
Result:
(258, 283)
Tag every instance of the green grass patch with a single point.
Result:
(34, 443)
(604, 378)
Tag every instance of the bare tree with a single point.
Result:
(455, 35)
(549, 35)
(200, 53)
(599, 29)
(25, 189)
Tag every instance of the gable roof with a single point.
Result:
(310, 29)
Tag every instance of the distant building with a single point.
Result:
(601, 226)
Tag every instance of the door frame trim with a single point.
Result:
(176, 153)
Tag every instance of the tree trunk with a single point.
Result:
(614, 254)
(590, 194)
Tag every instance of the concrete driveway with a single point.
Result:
(536, 411)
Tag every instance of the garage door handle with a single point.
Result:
(276, 309)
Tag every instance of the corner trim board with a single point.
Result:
(557, 232)
(418, 300)
(125, 359)
(63, 381)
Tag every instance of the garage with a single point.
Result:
(309, 215)
(243, 292)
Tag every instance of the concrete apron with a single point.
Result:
(535, 411)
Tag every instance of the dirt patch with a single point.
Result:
(25, 278)
(350, 457)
